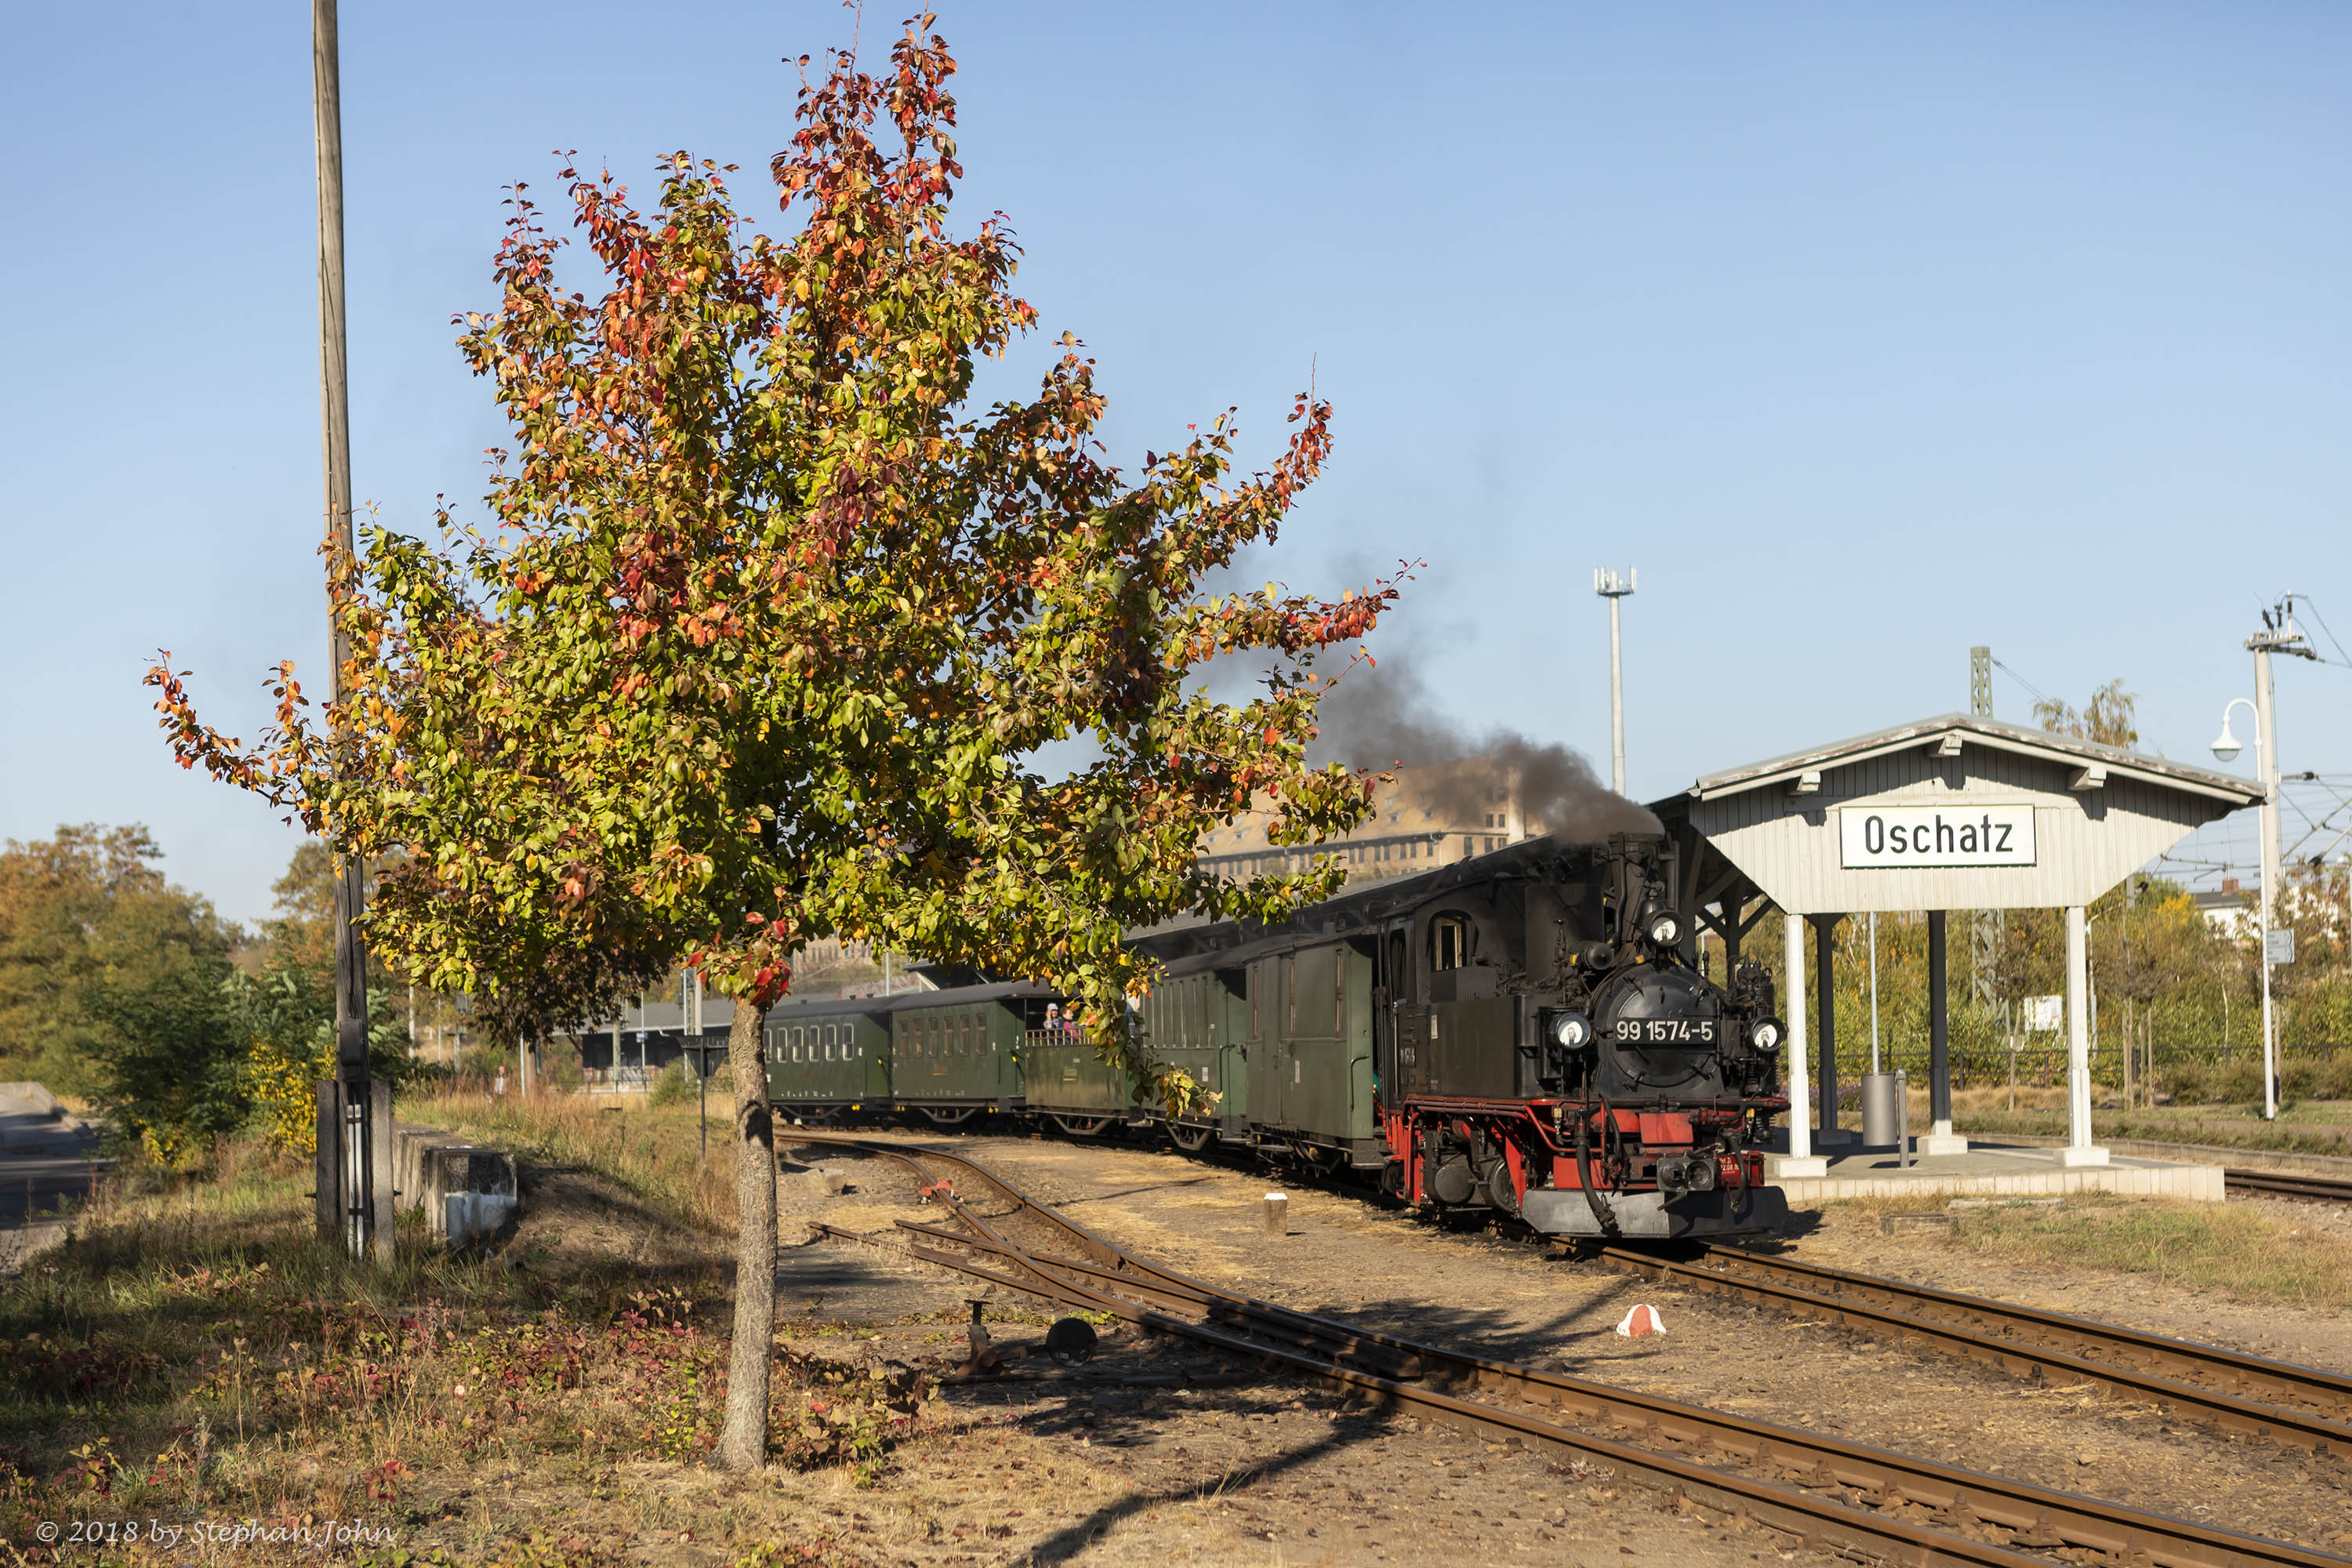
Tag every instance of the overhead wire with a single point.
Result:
(2341, 657)
(2037, 691)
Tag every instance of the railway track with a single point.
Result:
(2287, 1185)
(1845, 1496)
(2248, 1394)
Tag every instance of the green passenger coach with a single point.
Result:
(1197, 1021)
(961, 1055)
(1311, 1081)
(1069, 1081)
(830, 1055)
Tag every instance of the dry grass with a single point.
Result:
(192, 1352)
(2241, 1252)
(656, 1152)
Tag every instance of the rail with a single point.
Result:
(2300, 1405)
(1782, 1474)
(2288, 1185)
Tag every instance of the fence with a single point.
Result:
(2310, 1070)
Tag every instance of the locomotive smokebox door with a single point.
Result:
(1659, 1029)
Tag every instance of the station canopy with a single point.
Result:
(1951, 812)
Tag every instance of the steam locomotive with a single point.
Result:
(1526, 1033)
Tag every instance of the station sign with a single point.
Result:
(1875, 837)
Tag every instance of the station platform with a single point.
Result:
(1992, 1168)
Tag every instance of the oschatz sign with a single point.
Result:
(1889, 837)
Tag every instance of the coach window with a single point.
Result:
(1449, 941)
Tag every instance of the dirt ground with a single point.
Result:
(1251, 1475)
(1109, 1463)
(1848, 1237)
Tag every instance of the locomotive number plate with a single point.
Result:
(1667, 1031)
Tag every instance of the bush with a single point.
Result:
(2238, 1081)
(674, 1084)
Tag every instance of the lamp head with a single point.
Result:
(2226, 746)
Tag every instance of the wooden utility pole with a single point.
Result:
(354, 1113)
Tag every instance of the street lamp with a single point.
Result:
(2279, 634)
(2226, 746)
(1613, 587)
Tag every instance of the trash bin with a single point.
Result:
(1882, 1109)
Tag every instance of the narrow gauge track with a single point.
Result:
(1844, 1495)
(2287, 1185)
(2300, 1405)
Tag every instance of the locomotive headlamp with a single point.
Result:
(1664, 928)
(1765, 1033)
(1572, 1030)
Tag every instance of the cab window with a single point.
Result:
(1449, 941)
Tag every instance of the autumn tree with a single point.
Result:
(551, 987)
(113, 985)
(2107, 717)
(773, 620)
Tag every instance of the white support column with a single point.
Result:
(1800, 1160)
(2079, 1150)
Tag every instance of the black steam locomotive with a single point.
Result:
(1524, 1032)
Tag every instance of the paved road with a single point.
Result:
(48, 1164)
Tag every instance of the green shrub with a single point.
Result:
(674, 1084)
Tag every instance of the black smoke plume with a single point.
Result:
(1382, 716)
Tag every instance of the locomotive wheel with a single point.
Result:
(1499, 1190)
(1192, 1140)
(1454, 1182)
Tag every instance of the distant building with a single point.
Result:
(1429, 816)
(2228, 910)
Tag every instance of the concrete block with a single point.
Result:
(2073, 1158)
(465, 1189)
(1787, 1167)
(1936, 1143)
(1278, 1214)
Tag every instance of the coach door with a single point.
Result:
(1269, 1053)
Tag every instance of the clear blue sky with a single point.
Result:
(1865, 333)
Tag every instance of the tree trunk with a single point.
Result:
(745, 1444)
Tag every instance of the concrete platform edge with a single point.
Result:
(2198, 1183)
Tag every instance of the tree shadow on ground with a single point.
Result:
(1564, 1339)
(1349, 1427)
(1125, 1192)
